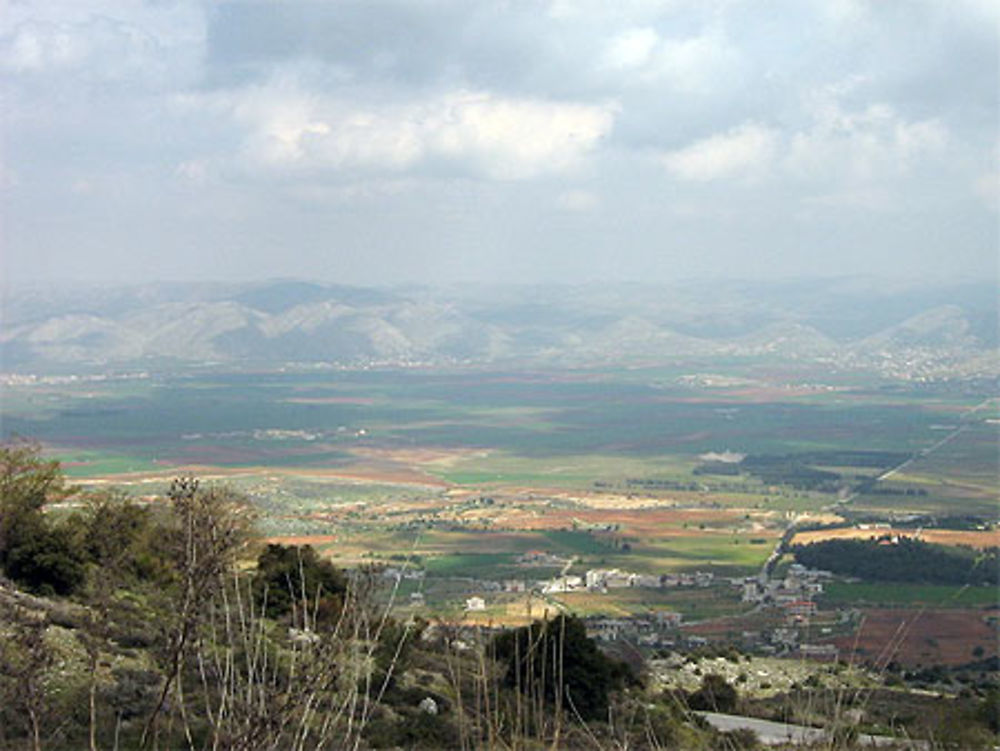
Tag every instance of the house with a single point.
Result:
(800, 608)
(474, 604)
(646, 580)
(703, 578)
(562, 584)
(752, 591)
(539, 558)
(594, 578)
(784, 637)
(668, 619)
(617, 579)
(784, 597)
(606, 629)
(819, 651)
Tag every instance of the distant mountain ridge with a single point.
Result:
(285, 321)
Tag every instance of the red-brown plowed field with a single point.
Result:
(913, 637)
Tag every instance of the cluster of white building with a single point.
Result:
(648, 630)
(603, 579)
(799, 584)
(594, 580)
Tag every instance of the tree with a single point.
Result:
(714, 695)
(27, 482)
(45, 560)
(290, 576)
(33, 552)
(25, 663)
(211, 526)
(557, 661)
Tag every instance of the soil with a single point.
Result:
(921, 637)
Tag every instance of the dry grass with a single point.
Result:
(971, 538)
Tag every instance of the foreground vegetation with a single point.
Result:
(170, 624)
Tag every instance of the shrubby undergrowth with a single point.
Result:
(170, 625)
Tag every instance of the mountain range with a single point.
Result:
(297, 321)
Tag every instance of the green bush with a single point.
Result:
(46, 561)
(561, 647)
(294, 575)
(714, 695)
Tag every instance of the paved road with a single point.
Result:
(773, 733)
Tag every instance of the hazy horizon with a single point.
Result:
(450, 142)
(884, 282)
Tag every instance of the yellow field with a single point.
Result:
(972, 538)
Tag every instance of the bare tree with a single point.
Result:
(25, 660)
(212, 528)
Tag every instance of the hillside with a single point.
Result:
(307, 322)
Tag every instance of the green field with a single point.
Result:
(567, 428)
(475, 565)
(692, 604)
(843, 593)
(718, 554)
(292, 442)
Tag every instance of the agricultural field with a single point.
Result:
(561, 429)
(909, 595)
(461, 474)
(985, 538)
(922, 637)
(692, 604)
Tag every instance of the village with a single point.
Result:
(786, 605)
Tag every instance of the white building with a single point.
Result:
(562, 584)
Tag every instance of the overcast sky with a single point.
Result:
(448, 140)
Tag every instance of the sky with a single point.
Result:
(382, 142)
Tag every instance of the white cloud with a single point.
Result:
(987, 185)
(860, 146)
(354, 192)
(601, 9)
(316, 97)
(630, 49)
(867, 199)
(35, 47)
(578, 200)
(121, 42)
(695, 64)
(839, 147)
(515, 138)
(494, 136)
(740, 151)
(701, 63)
(194, 171)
